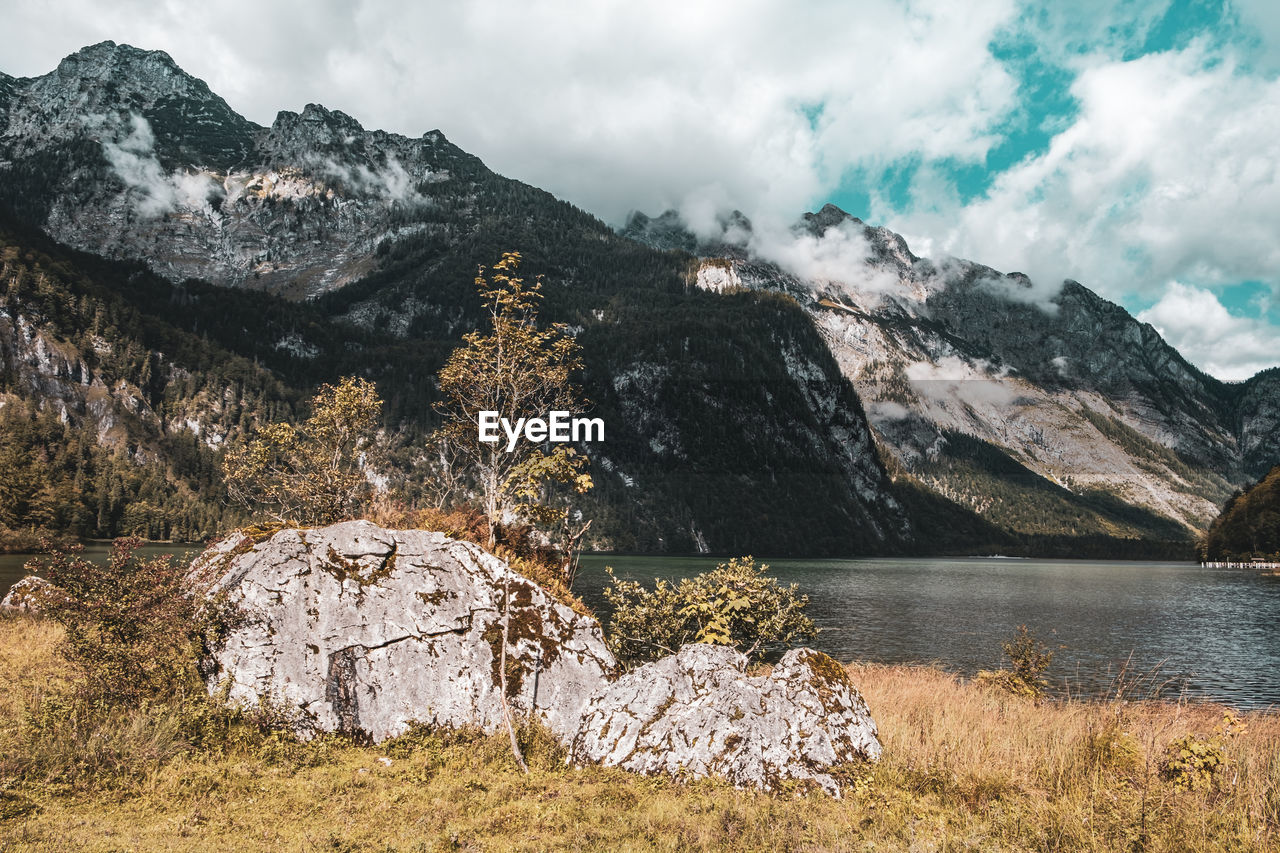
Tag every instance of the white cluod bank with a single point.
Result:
(558, 426)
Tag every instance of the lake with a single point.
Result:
(1214, 633)
(11, 565)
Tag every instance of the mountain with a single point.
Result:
(754, 401)
(339, 250)
(1043, 413)
(1249, 526)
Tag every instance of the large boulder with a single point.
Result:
(697, 713)
(359, 629)
(31, 594)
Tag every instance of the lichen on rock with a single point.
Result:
(364, 630)
(31, 594)
(697, 713)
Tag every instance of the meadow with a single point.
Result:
(965, 767)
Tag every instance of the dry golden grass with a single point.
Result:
(964, 769)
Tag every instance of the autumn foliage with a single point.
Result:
(313, 473)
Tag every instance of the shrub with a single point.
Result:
(315, 472)
(1191, 762)
(130, 632)
(737, 604)
(1028, 661)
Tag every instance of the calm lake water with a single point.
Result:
(1214, 633)
(11, 565)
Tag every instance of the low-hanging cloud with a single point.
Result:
(153, 191)
(391, 183)
(840, 257)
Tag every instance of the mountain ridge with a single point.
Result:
(403, 311)
(376, 237)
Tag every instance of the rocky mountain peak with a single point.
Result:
(669, 231)
(828, 217)
(120, 152)
(107, 92)
(295, 137)
(318, 117)
(666, 231)
(118, 59)
(108, 76)
(887, 246)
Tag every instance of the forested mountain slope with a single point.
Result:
(1249, 527)
(729, 426)
(1043, 412)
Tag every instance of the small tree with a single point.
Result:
(737, 605)
(313, 473)
(519, 371)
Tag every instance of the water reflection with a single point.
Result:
(13, 566)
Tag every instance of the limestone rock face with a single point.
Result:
(697, 713)
(29, 595)
(363, 630)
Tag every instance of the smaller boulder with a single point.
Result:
(31, 594)
(697, 713)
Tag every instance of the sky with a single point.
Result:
(1131, 146)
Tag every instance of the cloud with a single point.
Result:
(1170, 170)
(393, 182)
(1260, 19)
(612, 106)
(155, 193)
(840, 256)
(1216, 341)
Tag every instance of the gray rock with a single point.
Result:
(360, 629)
(29, 595)
(697, 713)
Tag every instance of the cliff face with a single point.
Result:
(1042, 413)
(121, 153)
(1257, 410)
(111, 421)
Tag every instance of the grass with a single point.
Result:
(965, 768)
